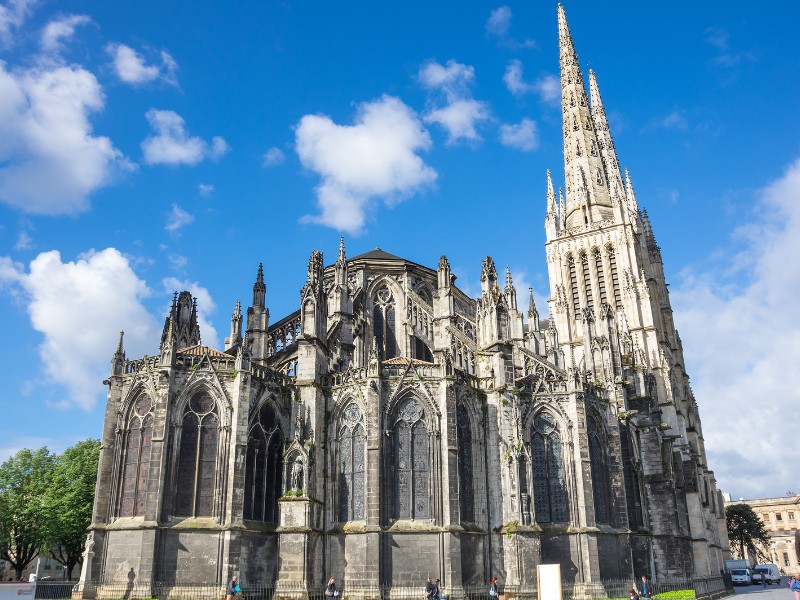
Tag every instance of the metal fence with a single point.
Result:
(701, 589)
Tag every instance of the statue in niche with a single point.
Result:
(297, 474)
(298, 427)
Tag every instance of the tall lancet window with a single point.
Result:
(573, 283)
(549, 480)
(612, 264)
(411, 463)
(352, 444)
(197, 458)
(138, 436)
(601, 278)
(262, 476)
(597, 458)
(587, 281)
(466, 493)
(383, 322)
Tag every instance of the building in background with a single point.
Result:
(394, 428)
(780, 517)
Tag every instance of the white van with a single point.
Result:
(741, 576)
(771, 573)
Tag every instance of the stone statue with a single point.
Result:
(298, 427)
(297, 474)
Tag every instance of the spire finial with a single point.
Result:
(551, 195)
(341, 249)
(531, 304)
(259, 289)
(509, 282)
(120, 351)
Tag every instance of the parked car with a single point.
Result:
(771, 573)
(741, 576)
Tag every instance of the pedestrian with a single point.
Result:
(330, 590)
(763, 580)
(233, 588)
(437, 595)
(645, 587)
(633, 594)
(493, 589)
(794, 585)
(430, 589)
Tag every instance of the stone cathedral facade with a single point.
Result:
(394, 428)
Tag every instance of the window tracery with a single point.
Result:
(384, 323)
(352, 444)
(466, 493)
(597, 459)
(411, 463)
(262, 482)
(197, 458)
(549, 481)
(136, 466)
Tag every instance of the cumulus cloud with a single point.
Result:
(50, 163)
(12, 15)
(459, 114)
(498, 25)
(522, 136)
(78, 307)
(273, 157)
(743, 346)
(60, 30)
(376, 157)
(205, 307)
(548, 87)
(177, 219)
(172, 145)
(132, 68)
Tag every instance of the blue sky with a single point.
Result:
(147, 147)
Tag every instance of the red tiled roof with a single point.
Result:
(202, 351)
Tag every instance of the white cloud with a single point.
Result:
(460, 114)
(78, 307)
(172, 145)
(499, 25)
(205, 307)
(12, 16)
(177, 219)
(205, 189)
(24, 241)
(548, 87)
(273, 157)
(60, 30)
(132, 68)
(460, 118)
(49, 160)
(373, 158)
(522, 136)
(742, 347)
(674, 120)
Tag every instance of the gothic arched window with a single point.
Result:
(573, 283)
(384, 326)
(136, 460)
(587, 281)
(503, 328)
(262, 478)
(597, 458)
(197, 457)
(612, 263)
(352, 442)
(466, 493)
(601, 279)
(549, 481)
(411, 463)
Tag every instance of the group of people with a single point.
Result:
(433, 590)
(644, 592)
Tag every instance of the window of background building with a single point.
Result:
(791, 516)
(765, 516)
(778, 517)
(48, 563)
(786, 558)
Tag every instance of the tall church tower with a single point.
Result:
(611, 310)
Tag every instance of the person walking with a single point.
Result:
(493, 589)
(794, 585)
(430, 589)
(233, 588)
(633, 594)
(645, 587)
(330, 590)
(437, 595)
(763, 580)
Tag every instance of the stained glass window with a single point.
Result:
(136, 460)
(599, 474)
(263, 464)
(384, 323)
(197, 458)
(411, 461)
(352, 442)
(549, 481)
(466, 496)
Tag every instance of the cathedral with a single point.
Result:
(394, 428)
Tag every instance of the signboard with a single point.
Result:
(17, 591)
(548, 582)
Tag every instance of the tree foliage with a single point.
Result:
(69, 501)
(745, 529)
(24, 480)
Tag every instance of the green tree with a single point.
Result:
(69, 501)
(24, 479)
(745, 529)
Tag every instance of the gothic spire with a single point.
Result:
(551, 196)
(632, 204)
(341, 265)
(587, 191)
(259, 289)
(532, 312)
(607, 150)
